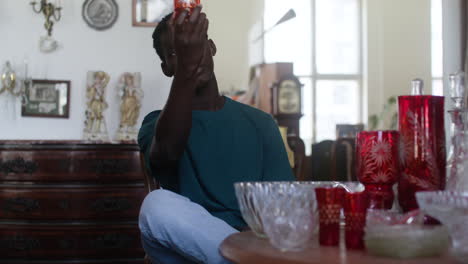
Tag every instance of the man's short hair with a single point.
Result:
(160, 29)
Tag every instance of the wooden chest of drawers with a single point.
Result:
(70, 202)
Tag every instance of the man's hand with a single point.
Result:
(192, 51)
(190, 40)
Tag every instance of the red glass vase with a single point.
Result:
(378, 165)
(423, 158)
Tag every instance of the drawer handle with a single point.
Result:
(19, 243)
(106, 205)
(67, 243)
(110, 166)
(18, 165)
(112, 241)
(20, 205)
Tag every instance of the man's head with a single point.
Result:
(161, 29)
(164, 46)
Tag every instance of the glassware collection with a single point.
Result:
(403, 206)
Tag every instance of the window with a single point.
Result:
(324, 42)
(437, 48)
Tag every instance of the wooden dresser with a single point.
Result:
(70, 202)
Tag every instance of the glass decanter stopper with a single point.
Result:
(457, 89)
(417, 87)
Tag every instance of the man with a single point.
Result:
(197, 147)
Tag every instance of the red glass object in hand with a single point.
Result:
(422, 130)
(329, 201)
(185, 4)
(378, 165)
(355, 211)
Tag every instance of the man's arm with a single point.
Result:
(173, 126)
(172, 129)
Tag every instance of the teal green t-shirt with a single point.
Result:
(234, 144)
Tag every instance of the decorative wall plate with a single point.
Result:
(100, 14)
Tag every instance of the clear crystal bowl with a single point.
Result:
(451, 209)
(288, 215)
(250, 198)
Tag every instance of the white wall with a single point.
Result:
(399, 48)
(117, 50)
(230, 23)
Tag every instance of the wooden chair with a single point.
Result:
(333, 160)
(343, 152)
(298, 147)
(343, 160)
(321, 161)
(150, 185)
(348, 131)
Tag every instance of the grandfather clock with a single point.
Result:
(287, 103)
(287, 110)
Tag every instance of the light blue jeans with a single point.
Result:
(175, 230)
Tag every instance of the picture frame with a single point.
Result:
(47, 98)
(153, 8)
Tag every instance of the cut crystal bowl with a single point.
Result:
(451, 209)
(287, 215)
(250, 196)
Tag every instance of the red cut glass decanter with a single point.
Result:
(422, 151)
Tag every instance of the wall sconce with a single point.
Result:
(11, 85)
(8, 78)
(49, 10)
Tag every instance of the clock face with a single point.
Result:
(289, 97)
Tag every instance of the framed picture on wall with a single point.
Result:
(147, 13)
(46, 98)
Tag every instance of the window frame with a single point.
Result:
(436, 19)
(315, 76)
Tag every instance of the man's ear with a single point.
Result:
(168, 72)
(212, 47)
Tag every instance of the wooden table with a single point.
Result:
(247, 248)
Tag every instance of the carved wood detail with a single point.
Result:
(20, 205)
(18, 165)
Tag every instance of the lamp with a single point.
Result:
(49, 10)
(286, 17)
